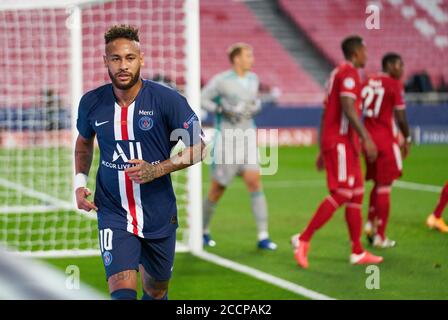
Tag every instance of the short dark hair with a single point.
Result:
(390, 57)
(121, 31)
(350, 45)
(236, 48)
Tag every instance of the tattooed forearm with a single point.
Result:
(144, 172)
(183, 159)
(83, 155)
(150, 172)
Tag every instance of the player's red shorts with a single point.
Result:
(343, 167)
(388, 165)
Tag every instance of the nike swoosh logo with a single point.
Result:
(97, 124)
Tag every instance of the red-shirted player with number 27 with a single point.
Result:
(340, 155)
(384, 107)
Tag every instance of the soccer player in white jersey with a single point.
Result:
(134, 121)
(233, 97)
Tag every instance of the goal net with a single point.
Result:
(51, 54)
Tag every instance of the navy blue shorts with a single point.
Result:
(122, 250)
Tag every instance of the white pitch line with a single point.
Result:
(417, 186)
(286, 184)
(35, 194)
(55, 203)
(321, 183)
(287, 285)
(263, 276)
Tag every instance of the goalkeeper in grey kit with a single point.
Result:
(233, 97)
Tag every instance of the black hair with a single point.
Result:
(390, 57)
(350, 45)
(121, 31)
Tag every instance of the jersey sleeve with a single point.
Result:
(83, 124)
(209, 95)
(349, 85)
(255, 107)
(182, 121)
(398, 97)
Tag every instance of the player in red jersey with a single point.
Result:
(340, 149)
(435, 221)
(384, 107)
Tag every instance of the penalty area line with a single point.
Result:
(263, 276)
(417, 186)
(321, 183)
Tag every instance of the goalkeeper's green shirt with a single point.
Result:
(233, 98)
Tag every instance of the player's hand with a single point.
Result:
(81, 200)
(232, 116)
(405, 148)
(142, 172)
(371, 150)
(320, 165)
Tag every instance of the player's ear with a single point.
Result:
(105, 60)
(142, 59)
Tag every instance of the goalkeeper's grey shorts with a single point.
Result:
(226, 166)
(224, 173)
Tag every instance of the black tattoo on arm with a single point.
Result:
(83, 154)
(183, 159)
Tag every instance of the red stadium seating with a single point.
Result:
(402, 24)
(222, 23)
(226, 22)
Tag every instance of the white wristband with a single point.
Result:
(81, 180)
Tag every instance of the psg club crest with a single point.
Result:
(107, 257)
(145, 123)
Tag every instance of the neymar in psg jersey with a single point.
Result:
(136, 123)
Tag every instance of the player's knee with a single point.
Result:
(216, 193)
(217, 187)
(253, 185)
(123, 280)
(155, 289)
(358, 195)
(383, 189)
(340, 197)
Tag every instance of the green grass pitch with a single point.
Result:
(416, 269)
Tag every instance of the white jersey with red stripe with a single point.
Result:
(147, 129)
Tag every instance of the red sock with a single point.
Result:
(372, 213)
(322, 215)
(383, 208)
(353, 216)
(442, 202)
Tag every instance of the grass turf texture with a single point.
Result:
(415, 269)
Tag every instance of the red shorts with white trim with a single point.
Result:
(343, 167)
(388, 165)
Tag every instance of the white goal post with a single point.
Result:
(53, 54)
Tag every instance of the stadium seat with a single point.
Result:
(223, 23)
(415, 29)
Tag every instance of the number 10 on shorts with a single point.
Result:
(106, 240)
